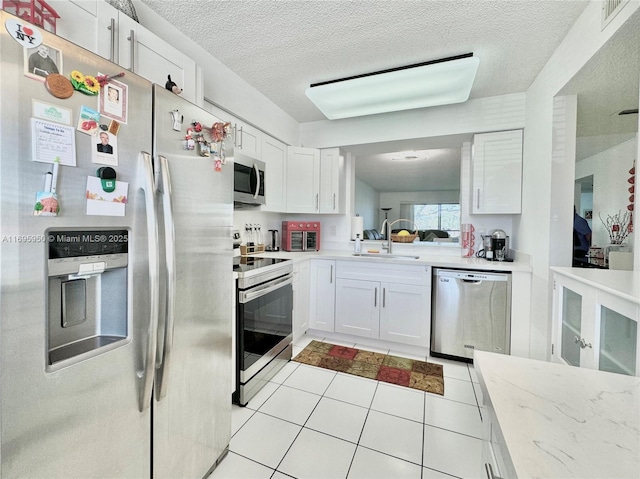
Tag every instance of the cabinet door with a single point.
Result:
(300, 299)
(497, 173)
(76, 19)
(274, 154)
(248, 140)
(616, 342)
(570, 309)
(323, 293)
(127, 43)
(358, 307)
(303, 179)
(331, 181)
(405, 314)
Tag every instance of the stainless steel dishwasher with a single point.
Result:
(470, 310)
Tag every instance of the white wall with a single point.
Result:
(367, 204)
(532, 229)
(610, 170)
(506, 112)
(223, 87)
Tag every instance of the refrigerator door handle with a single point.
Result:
(148, 361)
(163, 365)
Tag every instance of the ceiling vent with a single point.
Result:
(610, 9)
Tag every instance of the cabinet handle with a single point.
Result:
(490, 474)
(384, 297)
(375, 298)
(240, 136)
(132, 48)
(331, 275)
(478, 198)
(112, 42)
(582, 342)
(334, 202)
(317, 201)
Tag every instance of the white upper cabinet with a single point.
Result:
(497, 173)
(303, 180)
(332, 181)
(102, 29)
(248, 140)
(274, 155)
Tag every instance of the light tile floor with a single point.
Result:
(309, 423)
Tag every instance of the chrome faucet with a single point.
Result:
(388, 236)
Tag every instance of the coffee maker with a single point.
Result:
(500, 245)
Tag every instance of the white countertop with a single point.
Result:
(438, 260)
(561, 421)
(625, 284)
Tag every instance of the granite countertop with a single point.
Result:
(558, 421)
(625, 284)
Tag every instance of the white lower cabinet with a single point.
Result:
(357, 307)
(300, 299)
(323, 294)
(383, 301)
(594, 328)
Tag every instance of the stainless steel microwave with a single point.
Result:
(248, 182)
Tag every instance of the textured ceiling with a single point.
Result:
(281, 47)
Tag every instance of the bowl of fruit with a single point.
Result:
(403, 236)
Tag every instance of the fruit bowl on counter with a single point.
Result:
(403, 237)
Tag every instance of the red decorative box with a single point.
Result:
(36, 12)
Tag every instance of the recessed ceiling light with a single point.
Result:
(437, 82)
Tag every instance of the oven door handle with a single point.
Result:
(247, 296)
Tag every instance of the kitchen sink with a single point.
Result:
(386, 256)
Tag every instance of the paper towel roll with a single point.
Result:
(356, 227)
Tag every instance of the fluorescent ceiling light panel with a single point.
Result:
(439, 82)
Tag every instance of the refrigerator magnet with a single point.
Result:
(105, 149)
(88, 121)
(114, 127)
(24, 33)
(46, 204)
(107, 177)
(42, 61)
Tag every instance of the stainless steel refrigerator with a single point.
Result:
(115, 314)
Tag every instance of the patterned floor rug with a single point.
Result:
(381, 367)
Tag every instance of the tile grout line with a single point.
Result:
(303, 425)
(362, 430)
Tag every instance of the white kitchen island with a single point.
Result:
(547, 420)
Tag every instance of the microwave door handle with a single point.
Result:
(164, 364)
(257, 173)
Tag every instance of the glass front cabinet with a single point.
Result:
(594, 328)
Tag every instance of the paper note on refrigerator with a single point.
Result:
(101, 203)
(53, 140)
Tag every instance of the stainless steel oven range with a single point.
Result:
(264, 322)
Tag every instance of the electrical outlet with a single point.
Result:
(333, 230)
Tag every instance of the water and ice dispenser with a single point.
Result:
(87, 293)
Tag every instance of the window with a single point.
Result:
(441, 216)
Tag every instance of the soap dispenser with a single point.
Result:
(358, 245)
